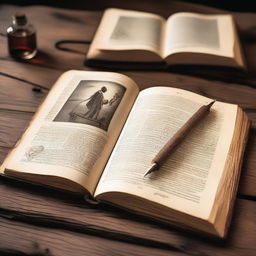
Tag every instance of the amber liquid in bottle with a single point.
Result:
(21, 38)
(22, 47)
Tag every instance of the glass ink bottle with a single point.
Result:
(21, 37)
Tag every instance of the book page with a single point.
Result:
(76, 128)
(129, 30)
(188, 180)
(198, 33)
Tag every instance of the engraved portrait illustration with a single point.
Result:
(93, 103)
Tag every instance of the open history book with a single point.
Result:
(125, 36)
(96, 134)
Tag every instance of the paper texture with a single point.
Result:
(76, 128)
(183, 182)
(198, 33)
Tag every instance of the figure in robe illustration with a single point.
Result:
(95, 103)
(93, 106)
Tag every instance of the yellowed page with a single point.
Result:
(188, 180)
(199, 33)
(73, 133)
(128, 30)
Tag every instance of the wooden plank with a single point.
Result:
(247, 185)
(81, 26)
(252, 117)
(54, 208)
(228, 92)
(13, 124)
(218, 90)
(247, 36)
(68, 212)
(3, 153)
(68, 25)
(166, 7)
(22, 239)
(31, 74)
(18, 95)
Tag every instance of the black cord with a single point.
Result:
(58, 45)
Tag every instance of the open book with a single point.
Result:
(184, 38)
(96, 134)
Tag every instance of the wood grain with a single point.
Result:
(40, 76)
(72, 213)
(43, 76)
(227, 92)
(248, 173)
(68, 25)
(13, 124)
(23, 239)
(3, 153)
(81, 25)
(18, 95)
(37, 220)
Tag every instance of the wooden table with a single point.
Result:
(40, 221)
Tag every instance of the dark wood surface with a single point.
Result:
(42, 221)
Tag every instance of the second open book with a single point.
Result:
(184, 38)
(96, 134)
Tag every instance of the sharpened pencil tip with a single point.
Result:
(211, 103)
(153, 168)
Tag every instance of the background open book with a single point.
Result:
(184, 38)
(96, 134)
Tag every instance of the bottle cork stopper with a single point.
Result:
(20, 18)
